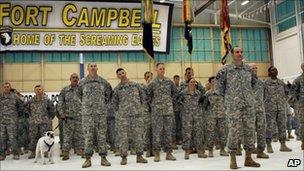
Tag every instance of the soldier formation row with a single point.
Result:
(159, 114)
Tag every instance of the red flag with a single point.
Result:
(225, 31)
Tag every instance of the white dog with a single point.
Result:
(45, 144)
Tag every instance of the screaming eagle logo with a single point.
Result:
(6, 35)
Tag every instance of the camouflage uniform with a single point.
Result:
(260, 115)
(10, 107)
(60, 127)
(192, 118)
(215, 115)
(127, 100)
(41, 112)
(298, 95)
(147, 120)
(111, 133)
(199, 87)
(69, 105)
(236, 84)
(276, 92)
(23, 128)
(161, 94)
(177, 126)
(95, 94)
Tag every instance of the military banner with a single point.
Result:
(80, 26)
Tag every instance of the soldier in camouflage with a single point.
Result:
(236, 82)
(297, 92)
(214, 109)
(41, 111)
(69, 107)
(190, 100)
(177, 125)
(95, 94)
(148, 76)
(11, 107)
(127, 100)
(260, 115)
(162, 92)
(276, 96)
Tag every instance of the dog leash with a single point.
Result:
(66, 118)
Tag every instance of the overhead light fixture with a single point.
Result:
(162, 0)
(245, 2)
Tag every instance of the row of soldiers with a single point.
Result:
(155, 114)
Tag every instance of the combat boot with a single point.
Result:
(201, 153)
(156, 156)
(2, 157)
(104, 161)
(117, 152)
(298, 138)
(210, 154)
(87, 163)
(32, 155)
(302, 146)
(123, 160)
(262, 155)
(65, 155)
(16, 157)
(249, 162)
(284, 148)
(169, 156)
(289, 135)
(79, 152)
(187, 154)
(233, 164)
(140, 159)
(269, 148)
(223, 152)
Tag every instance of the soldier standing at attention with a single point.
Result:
(128, 97)
(276, 96)
(215, 118)
(177, 125)
(11, 107)
(260, 115)
(192, 121)
(95, 94)
(69, 107)
(298, 95)
(236, 82)
(162, 92)
(41, 111)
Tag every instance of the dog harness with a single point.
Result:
(49, 145)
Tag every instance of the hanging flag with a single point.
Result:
(188, 19)
(147, 13)
(225, 31)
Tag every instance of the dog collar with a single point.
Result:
(49, 145)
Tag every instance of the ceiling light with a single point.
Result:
(245, 2)
(162, 0)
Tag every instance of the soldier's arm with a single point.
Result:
(142, 94)
(220, 82)
(295, 89)
(61, 103)
(20, 107)
(201, 88)
(114, 101)
(27, 108)
(80, 90)
(108, 92)
(174, 91)
(51, 109)
(150, 92)
(254, 80)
